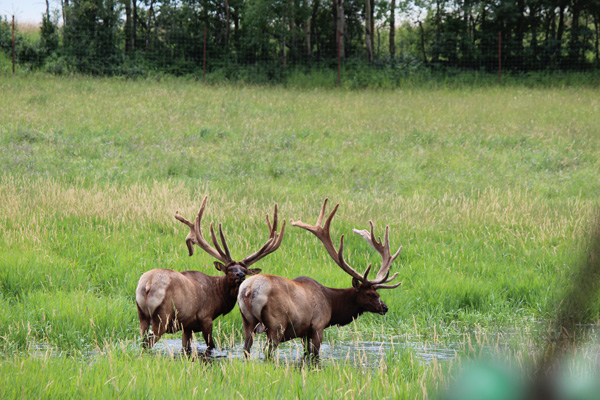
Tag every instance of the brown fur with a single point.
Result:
(190, 301)
(301, 307)
(170, 301)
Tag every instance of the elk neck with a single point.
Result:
(344, 307)
(227, 293)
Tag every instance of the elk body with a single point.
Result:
(190, 301)
(302, 308)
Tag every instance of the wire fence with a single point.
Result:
(192, 41)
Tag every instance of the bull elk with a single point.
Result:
(286, 309)
(190, 301)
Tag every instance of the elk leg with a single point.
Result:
(159, 327)
(274, 337)
(186, 341)
(306, 342)
(144, 325)
(249, 336)
(316, 339)
(208, 336)
(271, 347)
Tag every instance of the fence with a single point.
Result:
(179, 41)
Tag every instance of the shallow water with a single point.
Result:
(368, 353)
(363, 353)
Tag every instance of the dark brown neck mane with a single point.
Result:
(227, 292)
(344, 308)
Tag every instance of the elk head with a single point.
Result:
(367, 297)
(236, 271)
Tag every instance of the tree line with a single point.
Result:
(185, 36)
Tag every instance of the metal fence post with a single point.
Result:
(204, 57)
(338, 55)
(13, 44)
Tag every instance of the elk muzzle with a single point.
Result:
(384, 309)
(240, 276)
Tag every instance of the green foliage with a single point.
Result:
(50, 38)
(266, 41)
(90, 36)
(5, 35)
(26, 51)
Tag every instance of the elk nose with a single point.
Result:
(384, 307)
(241, 275)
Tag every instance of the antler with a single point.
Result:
(384, 250)
(272, 243)
(322, 232)
(195, 237)
(223, 254)
(190, 239)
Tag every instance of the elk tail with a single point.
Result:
(244, 301)
(147, 289)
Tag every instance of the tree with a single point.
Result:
(91, 36)
(49, 37)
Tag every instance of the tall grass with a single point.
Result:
(491, 192)
(123, 373)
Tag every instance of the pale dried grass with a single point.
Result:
(27, 27)
(29, 207)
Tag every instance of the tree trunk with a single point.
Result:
(378, 52)
(550, 29)
(127, 26)
(283, 56)
(393, 28)
(534, 41)
(339, 7)
(372, 24)
(307, 44)
(368, 30)
(293, 42)
(65, 11)
(574, 43)
(134, 25)
(226, 23)
(148, 25)
(236, 27)
(520, 34)
(438, 32)
(313, 19)
(597, 25)
(561, 25)
(423, 42)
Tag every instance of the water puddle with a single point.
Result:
(360, 353)
(366, 353)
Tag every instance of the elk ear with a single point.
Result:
(356, 284)
(220, 267)
(190, 245)
(254, 271)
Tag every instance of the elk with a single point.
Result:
(302, 308)
(170, 301)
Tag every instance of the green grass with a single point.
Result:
(490, 191)
(118, 372)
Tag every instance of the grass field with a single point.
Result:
(491, 192)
